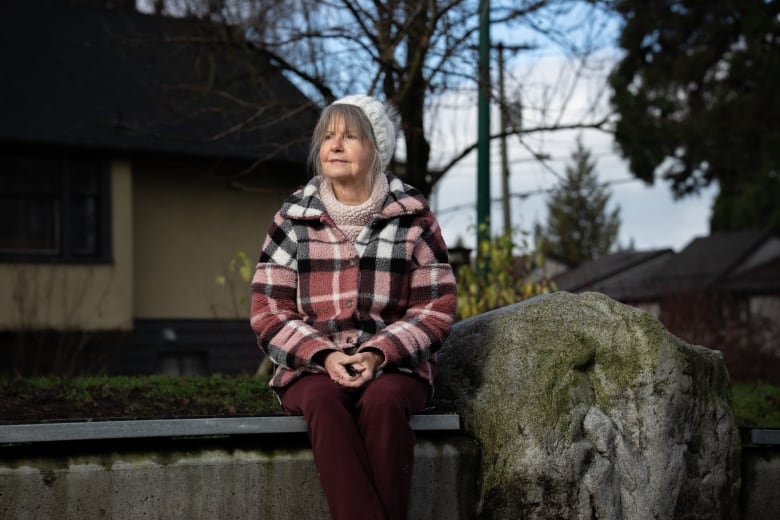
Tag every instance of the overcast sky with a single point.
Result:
(650, 217)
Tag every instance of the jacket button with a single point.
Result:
(351, 262)
(349, 303)
(350, 340)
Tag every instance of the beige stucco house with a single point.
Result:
(138, 155)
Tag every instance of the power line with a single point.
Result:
(525, 194)
(470, 165)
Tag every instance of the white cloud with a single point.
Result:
(650, 217)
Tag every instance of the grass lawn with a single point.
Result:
(756, 404)
(45, 398)
(37, 399)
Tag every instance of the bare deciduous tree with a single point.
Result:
(409, 52)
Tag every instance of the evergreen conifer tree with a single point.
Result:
(579, 226)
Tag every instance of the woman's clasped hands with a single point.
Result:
(352, 371)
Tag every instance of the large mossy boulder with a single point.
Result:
(586, 408)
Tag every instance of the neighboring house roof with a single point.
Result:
(620, 275)
(550, 267)
(741, 261)
(124, 81)
(707, 259)
(762, 279)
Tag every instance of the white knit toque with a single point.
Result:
(383, 123)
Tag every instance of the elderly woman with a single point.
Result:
(351, 298)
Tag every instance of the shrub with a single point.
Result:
(504, 274)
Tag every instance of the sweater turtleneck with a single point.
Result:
(352, 219)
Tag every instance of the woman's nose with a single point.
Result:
(336, 143)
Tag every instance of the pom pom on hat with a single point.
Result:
(384, 122)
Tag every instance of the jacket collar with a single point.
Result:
(402, 199)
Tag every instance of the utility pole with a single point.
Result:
(504, 155)
(483, 127)
(505, 123)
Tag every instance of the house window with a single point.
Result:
(54, 209)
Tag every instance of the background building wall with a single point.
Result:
(187, 226)
(77, 296)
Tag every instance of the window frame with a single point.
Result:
(66, 254)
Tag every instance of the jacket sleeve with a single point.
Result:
(280, 328)
(428, 319)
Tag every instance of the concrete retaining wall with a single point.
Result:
(263, 477)
(760, 498)
(260, 479)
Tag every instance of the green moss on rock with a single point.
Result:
(577, 397)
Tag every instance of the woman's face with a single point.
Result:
(345, 158)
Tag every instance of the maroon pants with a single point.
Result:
(362, 443)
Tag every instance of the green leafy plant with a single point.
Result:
(235, 279)
(237, 274)
(504, 274)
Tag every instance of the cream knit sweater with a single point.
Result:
(352, 219)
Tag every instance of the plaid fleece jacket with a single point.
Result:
(314, 290)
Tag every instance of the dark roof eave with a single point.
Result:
(127, 148)
(127, 82)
